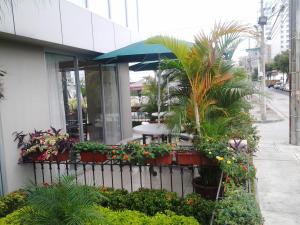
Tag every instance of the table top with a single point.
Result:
(155, 114)
(152, 129)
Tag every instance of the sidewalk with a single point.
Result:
(278, 167)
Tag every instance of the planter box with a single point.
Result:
(60, 157)
(92, 157)
(206, 191)
(189, 158)
(162, 160)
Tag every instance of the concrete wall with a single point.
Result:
(125, 108)
(25, 106)
(63, 23)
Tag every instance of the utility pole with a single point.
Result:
(262, 22)
(294, 68)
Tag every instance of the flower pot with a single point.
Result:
(161, 160)
(206, 191)
(188, 158)
(92, 157)
(61, 156)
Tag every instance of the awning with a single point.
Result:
(137, 52)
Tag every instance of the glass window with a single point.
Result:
(99, 7)
(118, 11)
(132, 14)
(81, 3)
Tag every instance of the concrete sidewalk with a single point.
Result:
(278, 167)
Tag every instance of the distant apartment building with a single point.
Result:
(47, 48)
(277, 28)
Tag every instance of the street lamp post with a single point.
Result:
(262, 22)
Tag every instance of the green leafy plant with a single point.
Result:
(131, 152)
(11, 202)
(90, 147)
(61, 203)
(199, 208)
(156, 150)
(238, 208)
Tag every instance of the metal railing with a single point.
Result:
(175, 178)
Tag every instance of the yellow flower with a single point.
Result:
(219, 158)
(228, 162)
(209, 153)
(233, 158)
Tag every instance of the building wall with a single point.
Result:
(25, 106)
(61, 22)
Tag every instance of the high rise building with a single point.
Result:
(277, 28)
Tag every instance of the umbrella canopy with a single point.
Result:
(137, 52)
(144, 66)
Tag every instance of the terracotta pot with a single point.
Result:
(162, 160)
(92, 157)
(189, 158)
(65, 156)
(206, 191)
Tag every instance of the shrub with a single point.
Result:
(125, 217)
(238, 208)
(11, 202)
(199, 208)
(114, 199)
(62, 203)
(153, 201)
(90, 147)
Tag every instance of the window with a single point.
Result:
(100, 119)
(99, 7)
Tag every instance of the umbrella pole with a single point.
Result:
(158, 96)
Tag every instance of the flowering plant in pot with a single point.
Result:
(158, 154)
(91, 151)
(131, 152)
(188, 157)
(42, 145)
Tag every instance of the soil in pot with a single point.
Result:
(188, 158)
(161, 160)
(92, 157)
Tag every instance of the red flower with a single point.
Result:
(245, 168)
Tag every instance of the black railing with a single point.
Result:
(175, 178)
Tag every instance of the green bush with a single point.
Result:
(114, 199)
(110, 217)
(199, 208)
(238, 208)
(151, 202)
(11, 202)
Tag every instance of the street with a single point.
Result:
(278, 166)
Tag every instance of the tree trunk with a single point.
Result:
(197, 118)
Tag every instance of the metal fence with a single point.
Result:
(175, 178)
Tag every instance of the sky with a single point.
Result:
(185, 18)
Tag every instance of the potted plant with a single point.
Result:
(158, 154)
(91, 152)
(189, 157)
(42, 145)
(207, 183)
(131, 152)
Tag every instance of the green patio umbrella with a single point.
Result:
(136, 52)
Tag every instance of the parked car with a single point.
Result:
(277, 85)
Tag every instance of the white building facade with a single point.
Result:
(47, 49)
(277, 28)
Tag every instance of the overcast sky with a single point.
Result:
(185, 18)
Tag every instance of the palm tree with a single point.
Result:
(62, 203)
(206, 63)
